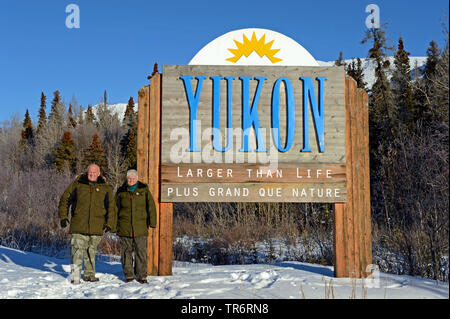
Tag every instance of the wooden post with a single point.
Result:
(153, 171)
(162, 260)
(159, 250)
(352, 224)
(339, 241)
(366, 187)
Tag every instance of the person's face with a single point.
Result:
(93, 173)
(131, 180)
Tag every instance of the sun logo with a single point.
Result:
(259, 46)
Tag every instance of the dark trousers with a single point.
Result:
(138, 245)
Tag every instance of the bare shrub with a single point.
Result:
(253, 232)
(410, 206)
(28, 209)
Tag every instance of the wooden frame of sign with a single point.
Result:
(341, 171)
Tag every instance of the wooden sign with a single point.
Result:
(352, 226)
(253, 134)
(253, 118)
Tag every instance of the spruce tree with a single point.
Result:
(432, 61)
(129, 148)
(65, 154)
(438, 90)
(94, 153)
(80, 118)
(382, 115)
(130, 114)
(42, 123)
(340, 60)
(425, 88)
(351, 68)
(72, 123)
(106, 117)
(90, 117)
(129, 141)
(429, 76)
(27, 132)
(56, 115)
(355, 71)
(55, 122)
(402, 88)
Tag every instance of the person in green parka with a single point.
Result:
(136, 212)
(92, 213)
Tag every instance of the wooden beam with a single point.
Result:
(352, 238)
(366, 188)
(153, 171)
(360, 184)
(165, 239)
(339, 241)
(142, 133)
(143, 145)
(160, 261)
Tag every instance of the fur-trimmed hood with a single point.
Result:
(83, 179)
(124, 187)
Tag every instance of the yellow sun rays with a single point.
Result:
(259, 46)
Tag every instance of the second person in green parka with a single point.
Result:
(136, 212)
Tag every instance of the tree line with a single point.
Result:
(409, 143)
(68, 141)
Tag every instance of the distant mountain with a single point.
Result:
(118, 109)
(368, 67)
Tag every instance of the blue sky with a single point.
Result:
(119, 41)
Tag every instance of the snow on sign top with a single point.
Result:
(254, 47)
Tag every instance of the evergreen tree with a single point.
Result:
(432, 61)
(382, 115)
(90, 117)
(355, 71)
(438, 90)
(65, 154)
(130, 115)
(42, 123)
(129, 141)
(402, 88)
(80, 119)
(27, 132)
(94, 153)
(340, 60)
(433, 56)
(106, 118)
(428, 90)
(56, 115)
(72, 123)
(129, 148)
(55, 122)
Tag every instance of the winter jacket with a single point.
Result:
(91, 206)
(135, 211)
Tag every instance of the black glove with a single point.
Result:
(106, 229)
(64, 223)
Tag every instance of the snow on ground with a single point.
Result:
(28, 275)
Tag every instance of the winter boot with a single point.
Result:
(91, 278)
(129, 279)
